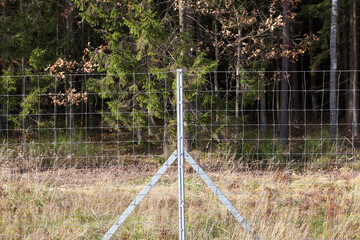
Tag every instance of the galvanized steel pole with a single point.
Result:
(180, 151)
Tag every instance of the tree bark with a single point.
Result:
(344, 52)
(284, 118)
(23, 79)
(69, 21)
(71, 112)
(3, 66)
(333, 59)
(217, 60)
(183, 29)
(295, 100)
(182, 22)
(352, 112)
(294, 85)
(238, 68)
(263, 120)
(69, 30)
(314, 102)
(91, 111)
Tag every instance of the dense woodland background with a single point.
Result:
(66, 37)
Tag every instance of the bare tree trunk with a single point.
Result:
(353, 66)
(344, 55)
(3, 112)
(183, 28)
(69, 21)
(57, 31)
(71, 114)
(217, 53)
(277, 101)
(184, 22)
(23, 90)
(2, 54)
(91, 110)
(295, 100)
(3, 64)
(238, 77)
(333, 91)
(294, 85)
(284, 118)
(314, 102)
(66, 109)
(263, 120)
(139, 135)
(23, 83)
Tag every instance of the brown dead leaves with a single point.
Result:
(71, 97)
(87, 64)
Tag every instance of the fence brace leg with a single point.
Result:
(141, 195)
(220, 195)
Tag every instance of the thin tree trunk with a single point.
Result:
(294, 84)
(263, 120)
(57, 32)
(295, 100)
(333, 91)
(3, 64)
(238, 68)
(23, 90)
(66, 109)
(276, 97)
(183, 21)
(3, 112)
(23, 83)
(69, 21)
(91, 111)
(284, 118)
(344, 52)
(217, 53)
(139, 135)
(2, 54)
(314, 102)
(71, 114)
(353, 61)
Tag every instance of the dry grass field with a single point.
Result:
(84, 203)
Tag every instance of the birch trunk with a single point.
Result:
(333, 59)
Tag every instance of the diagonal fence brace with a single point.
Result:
(141, 195)
(220, 195)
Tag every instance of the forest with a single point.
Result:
(88, 115)
(61, 54)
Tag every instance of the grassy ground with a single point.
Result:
(83, 204)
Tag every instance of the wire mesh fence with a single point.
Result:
(87, 121)
(76, 149)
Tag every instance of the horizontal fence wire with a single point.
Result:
(75, 149)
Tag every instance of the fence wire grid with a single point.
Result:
(76, 149)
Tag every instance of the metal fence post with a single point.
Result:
(180, 152)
